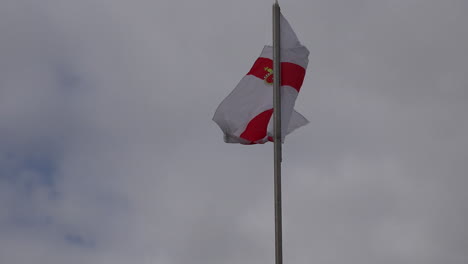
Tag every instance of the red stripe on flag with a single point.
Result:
(291, 74)
(257, 127)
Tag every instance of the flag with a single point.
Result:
(245, 115)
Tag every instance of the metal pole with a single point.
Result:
(277, 132)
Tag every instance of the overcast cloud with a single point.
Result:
(108, 153)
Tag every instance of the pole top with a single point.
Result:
(276, 3)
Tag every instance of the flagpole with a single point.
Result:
(277, 133)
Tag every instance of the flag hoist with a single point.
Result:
(261, 107)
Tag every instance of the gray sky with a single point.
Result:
(108, 153)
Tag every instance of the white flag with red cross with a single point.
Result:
(245, 115)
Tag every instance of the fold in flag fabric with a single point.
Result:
(245, 115)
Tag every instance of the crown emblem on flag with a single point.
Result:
(269, 76)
